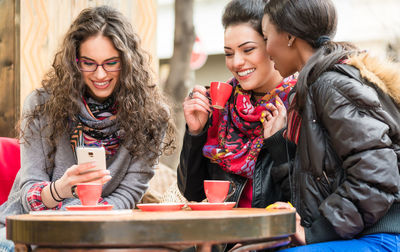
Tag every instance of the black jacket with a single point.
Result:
(269, 183)
(345, 174)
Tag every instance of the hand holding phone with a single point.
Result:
(92, 154)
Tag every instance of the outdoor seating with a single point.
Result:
(9, 165)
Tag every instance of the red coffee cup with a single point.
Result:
(89, 193)
(217, 190)
(220, 93)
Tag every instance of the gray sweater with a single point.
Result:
(129, 181)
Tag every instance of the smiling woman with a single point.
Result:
(98, 93)
(100, 79)
(232, 143)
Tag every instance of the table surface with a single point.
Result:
(139, 228)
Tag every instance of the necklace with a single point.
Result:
(258, 94)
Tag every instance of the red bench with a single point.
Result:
(9, 165)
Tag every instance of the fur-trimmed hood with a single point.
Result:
(383, 73)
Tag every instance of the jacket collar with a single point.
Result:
(383, 74)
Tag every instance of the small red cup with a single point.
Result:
(220, 93)
(89, 193)
(217, 190)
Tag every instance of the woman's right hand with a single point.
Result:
(196, 109)
(80, 174)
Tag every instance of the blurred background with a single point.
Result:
(184, 37)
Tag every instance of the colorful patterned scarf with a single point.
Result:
(235, 136)
(97, 126)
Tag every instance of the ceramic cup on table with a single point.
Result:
(217, 190)
(89, 193)
(219, 93)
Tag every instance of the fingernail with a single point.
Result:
(271, 206)
(262, 120)
(263, 114)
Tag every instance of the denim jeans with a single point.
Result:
(368, 243)
(5, 245)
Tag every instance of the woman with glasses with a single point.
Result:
(99, 92)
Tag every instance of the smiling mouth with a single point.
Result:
(101, 83)
(246, 72)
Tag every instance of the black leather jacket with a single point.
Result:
(269, 183)
(346, 170)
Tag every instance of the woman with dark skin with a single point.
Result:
(344, 119)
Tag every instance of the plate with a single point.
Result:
(212, 206)
(161, 206)
(90, 208)
(84, 212)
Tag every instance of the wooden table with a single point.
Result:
(153, 229)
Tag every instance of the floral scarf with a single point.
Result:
(235, 136)
(97, 126)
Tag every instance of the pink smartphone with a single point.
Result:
(92, 154)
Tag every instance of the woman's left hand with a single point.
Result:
(275, 120)
(299, 238)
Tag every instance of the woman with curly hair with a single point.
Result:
(99, 92)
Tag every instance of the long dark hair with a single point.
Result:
(142, 113)
(244, 11)
(313, 21)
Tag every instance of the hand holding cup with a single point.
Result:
(220, 93)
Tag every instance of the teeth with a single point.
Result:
(101, 83)
(243, 73)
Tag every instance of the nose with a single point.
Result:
(100, 73)
(238, 61)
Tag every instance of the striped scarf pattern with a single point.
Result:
(97, 126)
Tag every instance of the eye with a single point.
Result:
(112, 63)
(248, 49)
(265, 39)
(228, 54)
(87, 63)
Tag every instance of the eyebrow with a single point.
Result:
(115, 57)
(245, 43)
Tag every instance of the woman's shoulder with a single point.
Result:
(36, 97)
(344, 80)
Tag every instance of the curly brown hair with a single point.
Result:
(143, 114)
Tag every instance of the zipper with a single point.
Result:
(326, 177)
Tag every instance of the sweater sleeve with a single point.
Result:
(133, 182)
(33, 152)
(356, 123)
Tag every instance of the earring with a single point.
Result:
(289, 44)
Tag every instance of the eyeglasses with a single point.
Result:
(86, 65)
